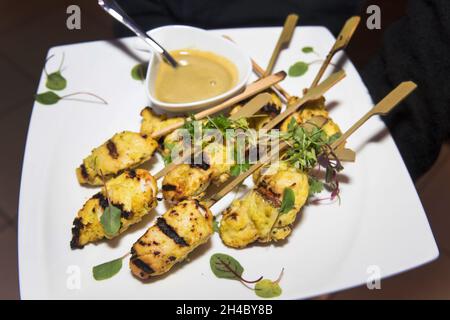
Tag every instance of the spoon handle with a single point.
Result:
(111, 7)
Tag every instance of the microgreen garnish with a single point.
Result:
(231, 129)
(288, 201)
(298, 69)
(49, 97)
(237, 169)
(226, 267)
(266, 288)
(315, 186)
(108, 269)
(307, 49)
(310, 147)
(139, 71)
(220, 122)
(216, 225)
(55, 80)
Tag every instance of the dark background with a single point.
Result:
(28, 31)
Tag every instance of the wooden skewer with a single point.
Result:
(345, 154)
(249, 109)
(236, 181)
(341, 43)
(283, 41)
(311, 94)
(259, 71)
(251, 90)
(382, 108)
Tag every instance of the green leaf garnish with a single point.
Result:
(110, 220)
(237, 169)
(225, 266)
(47, 98)
(107, 270)
(139, 71)
(334, 137)
(216, 227)
(55, 81)
(315, 186)
(50, 97)
(307, 49)
(267, 289)
(298, 69)
(288, 201)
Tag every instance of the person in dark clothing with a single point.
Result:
(414, 48)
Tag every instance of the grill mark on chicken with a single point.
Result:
(123, 213)
(269, 196)
(102, 200)
(76, 229)
(104, 203)
(83, 171)
(143, 266)
(271, 109)
(202, 165)
(170, 232)
(112, 149)
(132, 174)
(169, 187)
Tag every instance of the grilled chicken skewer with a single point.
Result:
(133, 192)
(256, 217)
(125, 150)
(175, 234)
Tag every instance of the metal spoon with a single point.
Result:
(117, 12)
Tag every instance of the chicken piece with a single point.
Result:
(268, 112)
(189, 181)
(285, 124)
(152, 122)
(310, 109)
(125, 150)
(175, 234)
(173, 144)
(256, 216)
(186, 181)
(314, 108)
(133, 192)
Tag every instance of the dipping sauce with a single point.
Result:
(200, 75)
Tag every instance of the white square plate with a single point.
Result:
(380, 221)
